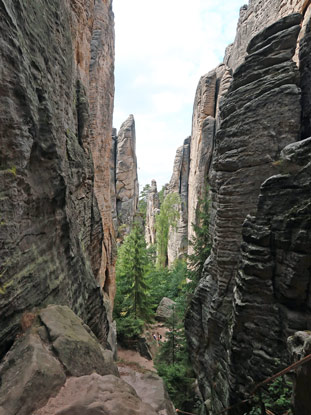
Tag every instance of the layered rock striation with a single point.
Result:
(56, 232)
(126, 180)
(178, 236)
(249, 299)
(152, 209)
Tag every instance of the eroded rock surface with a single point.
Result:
(165, 309)
(127, 190)
(56, 232)
(177, 245)
(229, 323)
(96, 395)
(57, 344)
(153, 206)
(150, 388)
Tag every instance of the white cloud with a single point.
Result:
(162, 49)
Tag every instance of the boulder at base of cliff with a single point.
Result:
(149, 387)
(57, 345)
(165, 309)
(96, 395)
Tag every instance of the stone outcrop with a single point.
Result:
(253, 18)
(56, 232)
(127, 190)
(152, 210)
(249, 299)
(95, 394)
(210, 90)
(165, 309)
(56, 345)
(150, 388)
(177, 246)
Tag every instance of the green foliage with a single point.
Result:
(166, 282)
(168, 216)
(129, 327)
(277, 398)
(172, 361)
(142, 203)
(132, 297)
(201, 242)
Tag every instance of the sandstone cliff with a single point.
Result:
(249, 299)
(178, 237)
(126, 181)
(152, 210)
(56, 232)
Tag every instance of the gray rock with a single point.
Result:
(30, 374)
(96, 395)
(127, 190)
(150, 388)
(259, 116)
(152, 210)
(74, 344)
(165, 309)
(56, 243)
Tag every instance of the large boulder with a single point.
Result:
(165, 309)
(96, 395)
(56, 344)
(74, 343)
(149, 387)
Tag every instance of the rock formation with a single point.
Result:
(178, 237)
(127, 190)
(152, 210)
(255, 289)
(58, 366)
(56, 232)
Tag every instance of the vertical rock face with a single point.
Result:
(209, 92)
(253, 18)
(153, 206)
(178, 237)
(56, 232)
(127, 190)
(247, 291)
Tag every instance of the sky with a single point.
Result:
(163, 47)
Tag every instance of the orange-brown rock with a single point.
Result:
(56, 232)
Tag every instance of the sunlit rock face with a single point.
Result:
(57, 87)
(127, 190)
(152, 210)
(249, 299)
(178, 236)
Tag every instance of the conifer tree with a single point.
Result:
(132, 266)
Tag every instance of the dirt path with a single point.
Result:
(133, 359)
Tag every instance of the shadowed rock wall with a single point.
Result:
(249, 299)
(56, 233)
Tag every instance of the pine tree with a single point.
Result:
(132, 296)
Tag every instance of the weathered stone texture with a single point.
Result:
(253, 18)
(153, 206)
(56, 234)
(259, 115)
(210, 91)
(127, 190)
(178, 237)
(57, 344)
